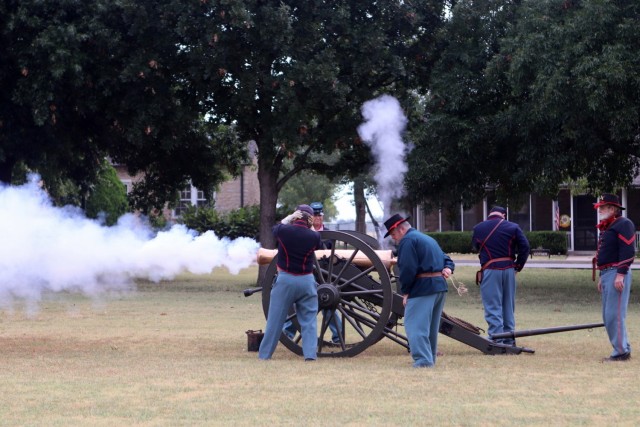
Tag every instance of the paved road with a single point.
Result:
(538, 262)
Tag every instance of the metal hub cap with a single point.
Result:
(328, 297)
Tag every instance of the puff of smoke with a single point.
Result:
(382, 131)
(51, 249)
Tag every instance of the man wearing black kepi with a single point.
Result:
(318, 221)
(423, 269)
(503, 250)
(616, 251)
(295, 284)
(318, 216)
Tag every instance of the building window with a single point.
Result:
(128, 185)
(190, 196)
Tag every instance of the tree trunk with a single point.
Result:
(359, 199)
(268, 179)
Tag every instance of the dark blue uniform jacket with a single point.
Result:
(616, 246)
(508, 241)
(296, 243)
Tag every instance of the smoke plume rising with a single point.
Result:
(51, 249)
(382, 131)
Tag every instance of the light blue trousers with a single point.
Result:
(287, 291)
(422, 322)
(335, 325)
(300, 292)
(614, 310)
(498, 290)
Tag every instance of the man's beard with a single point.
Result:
(605, 215)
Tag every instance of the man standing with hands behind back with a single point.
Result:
(616, 252)
(423, 270)
(503, 250)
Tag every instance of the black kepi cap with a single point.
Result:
(317, 208)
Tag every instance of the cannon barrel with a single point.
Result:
(542, 331)
(265, 256)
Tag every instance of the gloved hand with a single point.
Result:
(290, 218)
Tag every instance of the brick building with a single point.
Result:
(570, 212)
(235, 193)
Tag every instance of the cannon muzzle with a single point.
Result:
(265, 256)
(251, 291)
(530, 332)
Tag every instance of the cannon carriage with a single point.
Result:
(356, 284)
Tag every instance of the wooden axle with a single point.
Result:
(265, 256)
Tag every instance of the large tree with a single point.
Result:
(529, 94)
(292, 76)
(81, 80)
(575, 91)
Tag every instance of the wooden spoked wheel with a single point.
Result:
(355, 299)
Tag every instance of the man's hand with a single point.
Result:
(600, 285)
(619, 282)
(405, 297)
(289, 219)
(446, 272)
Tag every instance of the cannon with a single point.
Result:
(356, 284)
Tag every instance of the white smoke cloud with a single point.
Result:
(382, 130)
(50, 249)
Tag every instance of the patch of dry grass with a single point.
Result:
(175, 354)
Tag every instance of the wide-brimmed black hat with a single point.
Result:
(608, 199)
(393, 222)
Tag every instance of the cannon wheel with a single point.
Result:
(360, 297)
(369, 240)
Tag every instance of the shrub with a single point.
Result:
(460, 241)
(243, 222)
(108, 197)
(200, 218)
(453, 241)
(555, 241)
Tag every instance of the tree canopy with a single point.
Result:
(293, 75)
(82, 80)
(174, 88)
(528, 95)
(520, 95)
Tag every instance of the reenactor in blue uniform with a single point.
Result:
(503, 251)
(423, 269)
(295, 285)
(335, 324)
(616, 251)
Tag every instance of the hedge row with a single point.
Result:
(243, 222)
(460, 241)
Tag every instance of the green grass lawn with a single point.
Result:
(175, 353)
